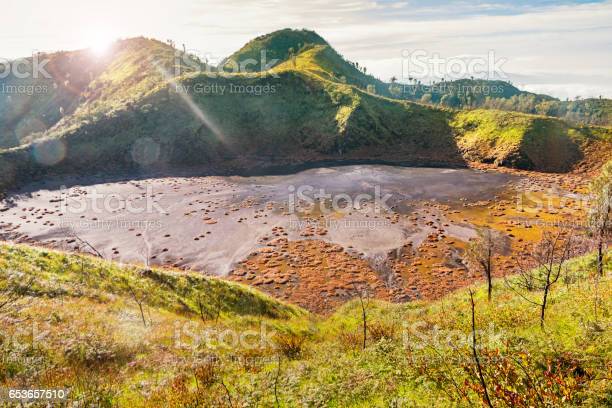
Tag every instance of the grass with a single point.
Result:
(312, 106)
(326, 63)
(83, 87)
(266, 121)
(78, 326)
(277, 46)
(524, 141)
(55, 274)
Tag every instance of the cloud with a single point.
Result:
(537, 36)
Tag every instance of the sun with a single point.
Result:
(100, 40)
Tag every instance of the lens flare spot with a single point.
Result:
(49, 152)
(145, 151)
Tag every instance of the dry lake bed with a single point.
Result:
(404, 228)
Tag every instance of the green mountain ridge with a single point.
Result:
(81, 84)
(312, 106)
(277, 47)
(502, 95)
(466, 92)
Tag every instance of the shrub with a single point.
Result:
(94, 349)
(290, 344)
(206, 372)
(251, 359)
(379, 331)
(521, 380)
(351, 340)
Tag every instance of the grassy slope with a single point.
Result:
(136, 69)
(84, 85)
(89, 336)
(57, 274)
(295, 117)
(276, 45)
(26, 115)
(525, 141)
(325, 62)
(305, 114)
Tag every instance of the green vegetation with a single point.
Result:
(326, 63)
(501, 95)
(312, 106)
(279, 45)
(82, 87)
(240, 121)
(462, 93)
(54, 274)
(600, 217)
(74, 321)
(524, 141)
(591, 111)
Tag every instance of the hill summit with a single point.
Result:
(275, 48)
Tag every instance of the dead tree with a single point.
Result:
(218, 299)
(201, 309)
(219, 306)
(146, 251)
(600, 217)
(542, 267)
(480, 252)
(475, 353)
(84, 244)
(139, 301)
(278, 373)
(364, 303)
(227, 393)
(209, 290)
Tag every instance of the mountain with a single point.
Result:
(529, 141)
(30, 106)
(502, 95)
(326, 63)
(591, 111)
(81, 85)
(303, 50)
(273, 49)
(146, 105)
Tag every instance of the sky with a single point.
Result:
(562, 48)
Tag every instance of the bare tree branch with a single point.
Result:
(542, 268)
(364, 313)
(475, 353)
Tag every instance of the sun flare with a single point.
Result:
(100, 40)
